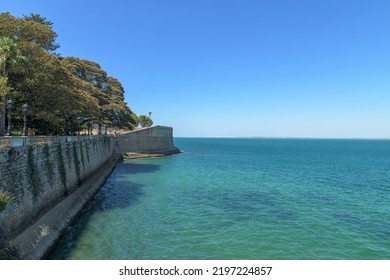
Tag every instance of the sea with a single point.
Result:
(244, 198)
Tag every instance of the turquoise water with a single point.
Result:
(242, 199)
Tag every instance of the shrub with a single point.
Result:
(5, 198)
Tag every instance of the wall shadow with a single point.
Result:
(125, 168)
(119, 192)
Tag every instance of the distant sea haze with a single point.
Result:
(242, 198)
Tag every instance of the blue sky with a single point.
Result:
(238, 68)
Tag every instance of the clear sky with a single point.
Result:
(237, 68)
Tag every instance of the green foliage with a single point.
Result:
(145, 121)
(5, 198)
(41, 20)
(65, 95)
(4, 88)
(107, 92)
(10, 56)
(29, 29)
(16, 133)
(10, 60)
(44, 230)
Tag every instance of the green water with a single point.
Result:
(242, 199)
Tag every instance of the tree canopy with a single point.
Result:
(145, 121)
(65, 95)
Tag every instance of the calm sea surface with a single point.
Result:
(242, 199)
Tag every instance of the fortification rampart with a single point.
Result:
(46, 181)
(39, 175)
(157, 139)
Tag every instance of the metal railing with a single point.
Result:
(21, 141)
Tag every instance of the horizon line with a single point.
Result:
(286, 137)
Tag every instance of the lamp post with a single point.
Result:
(25, 111)
(10, 106)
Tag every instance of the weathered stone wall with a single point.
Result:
(50, 179)
(38, 177)
(157, 139)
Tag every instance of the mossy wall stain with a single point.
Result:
(87, 149)
(82, 155)
(68, 154)
(11, 179)
(61, 167)
(38, 177)
(76, 162)
(48, 163)
(33, 173)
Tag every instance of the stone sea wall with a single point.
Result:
(46, 181)
(157, 139)
(38, 177)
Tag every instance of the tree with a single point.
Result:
(118, 112)
(51, 91)
(34, 29)
(33, 41)
(107, 91)
(39, 19)
(10, 58)
(4, 90)
(145, 121)
(64, 94)
(9, 55)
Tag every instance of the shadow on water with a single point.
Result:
(129, 167)
(247, 205)
(258, 206)
(119, 191)
(377, 226)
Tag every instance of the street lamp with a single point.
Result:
(25, 111)
(10, 106)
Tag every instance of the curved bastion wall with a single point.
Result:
(157, 139)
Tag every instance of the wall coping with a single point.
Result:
(8, 142)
